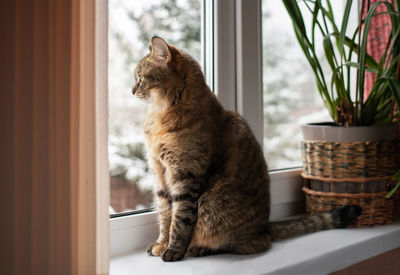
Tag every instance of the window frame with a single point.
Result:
(238, 60)
(234, 72)
(232, 51)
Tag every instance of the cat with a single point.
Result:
(212, 188)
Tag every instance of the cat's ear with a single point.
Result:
(160, 49)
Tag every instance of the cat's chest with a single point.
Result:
(157, 138)
(149, 133)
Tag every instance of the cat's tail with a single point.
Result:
(338, 218)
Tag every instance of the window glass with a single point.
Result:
(290, 94)
(131, 26)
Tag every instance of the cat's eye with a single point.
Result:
(140, 77)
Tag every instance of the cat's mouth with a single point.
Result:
(139, 93)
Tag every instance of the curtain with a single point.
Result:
(53, 137)
(378, 36)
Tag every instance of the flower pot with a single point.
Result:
(328, 131)
(351, 165)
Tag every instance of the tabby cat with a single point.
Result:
(213, 186)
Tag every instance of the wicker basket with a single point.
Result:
(352, 173)
(377, 210)
(349, 160)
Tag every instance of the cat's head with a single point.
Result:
(164, 72)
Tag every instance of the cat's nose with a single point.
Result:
(134, 90)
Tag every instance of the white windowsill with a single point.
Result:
(318, 253)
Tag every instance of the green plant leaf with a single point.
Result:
(357, 65)
(362, 57)
(395, 47)
(354, 47)
(395, 88)
(377, 106)
(329, 51)
(343, 29)
(396, 177)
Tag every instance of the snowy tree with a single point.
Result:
(178, 22)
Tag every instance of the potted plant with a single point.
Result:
(353, 159)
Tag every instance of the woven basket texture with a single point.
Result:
(352, 173)
(377, 210)
(374, 186)
(350, 160)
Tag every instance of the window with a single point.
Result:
(131, 26)
(231, 32)
(290, 96)
(232, 35)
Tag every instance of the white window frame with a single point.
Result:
(233, 55)
(238, 59)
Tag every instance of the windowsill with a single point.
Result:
(318, 253)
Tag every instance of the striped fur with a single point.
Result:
(212, 190)
(339, 218)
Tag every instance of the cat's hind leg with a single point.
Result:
(250, 245)
(258, 244)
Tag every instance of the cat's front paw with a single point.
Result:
(172, 254)
(155, 248)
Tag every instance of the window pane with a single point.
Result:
(131, 26)
(290, 94)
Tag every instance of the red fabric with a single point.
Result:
(378, 36)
